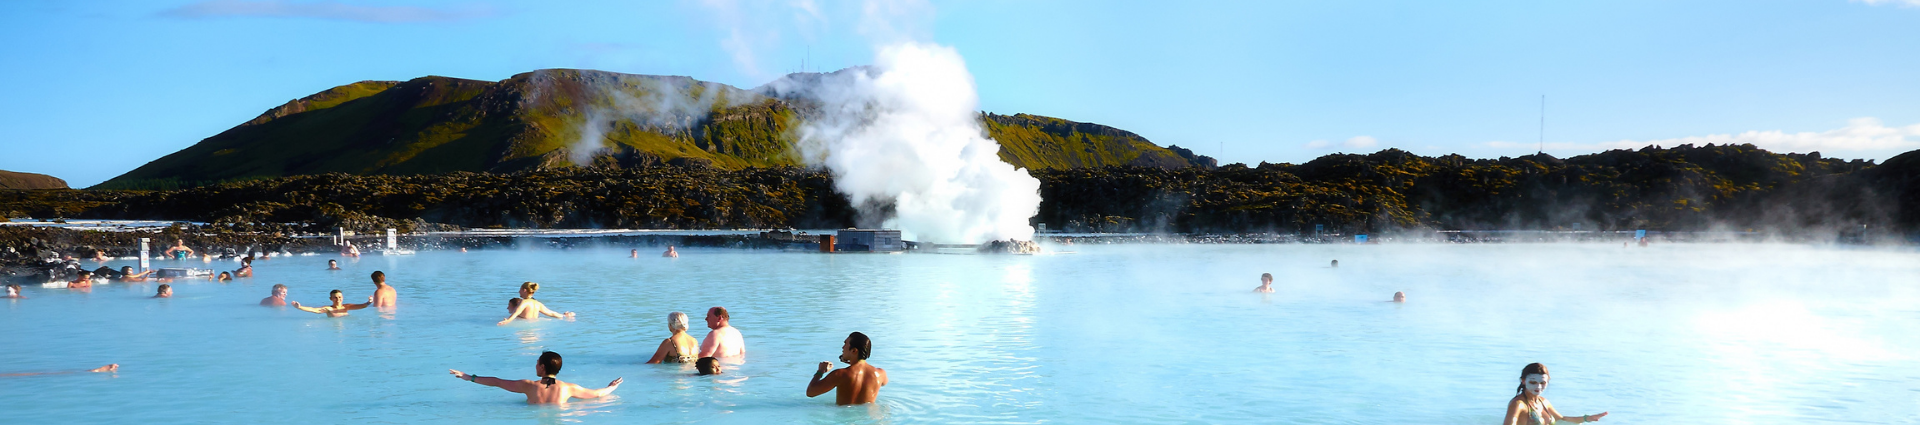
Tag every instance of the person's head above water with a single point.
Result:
(279, 290)
(676, 322)
(513, 305)
(1336, 263)
(226, 276)
(84, 275)
(717, 317)
(1399, 297)
(1533, 380)
(1266, 278)
(379, 278)
(528, 288)
(126, 269)
(166, 291)
(13, 290)
(336, 296)
(856, 347)
(708, 366)
(547, 367)
(332, 264)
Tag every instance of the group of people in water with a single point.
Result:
(857, 383)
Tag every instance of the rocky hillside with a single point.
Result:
(19, 180)
(561, 118)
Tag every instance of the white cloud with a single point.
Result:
(323, 10)
(1356, 142)
(1860, 134)
(1907, 3)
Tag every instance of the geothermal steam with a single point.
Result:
(906, 133)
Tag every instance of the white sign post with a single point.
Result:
(393, 241)
(144, 254)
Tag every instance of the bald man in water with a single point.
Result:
(858, 383)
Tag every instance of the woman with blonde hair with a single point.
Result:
(678, 348)
(530, 309)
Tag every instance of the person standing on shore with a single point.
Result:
(179, 251)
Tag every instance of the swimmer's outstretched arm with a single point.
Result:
(514, 386)
(583, 392)
(551, 313)
(1555, 413)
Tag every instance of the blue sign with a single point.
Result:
(1359, 238)
(1640, 234)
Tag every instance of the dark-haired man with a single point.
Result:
(1266, 284)
(724, 340)
(383, 295)
(858, 383)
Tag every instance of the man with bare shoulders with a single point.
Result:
(278, 299)
(548, 389)
(724, 340)
(13, 291)
(670, 252)
(83, 280)
(383, 295)
(339, 308)
(1266, 284)
(858, 383)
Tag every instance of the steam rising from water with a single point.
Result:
(906, 133)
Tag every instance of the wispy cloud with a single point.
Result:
(1860, 134)
(1906, 3)
(324, 10)
(1357, 142)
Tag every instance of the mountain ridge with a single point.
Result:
(558, 118)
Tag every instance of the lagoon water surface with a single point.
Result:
(1742, 333)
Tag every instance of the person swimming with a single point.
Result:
(13, 291)
(1528, 407)
(338, 308)
(858, 383)
(127, 275)
(1266, 284)
(678, 347)
(81, 280)
(278, 298)
(223, 277)
(670, 252)
(1399, 297)
(383, 294)
(246, 267)
(115, 367)
(333, 265)
(529, 308)
(723, 340)
(634, 254)
(348, 250)
(547, 390)
(166, 291)
(1336, 264)
(708, 366)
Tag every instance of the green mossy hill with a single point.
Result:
(19, 180)
(561, 118)
(1684, 188)
(1039, 142)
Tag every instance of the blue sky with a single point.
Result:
(94, 89)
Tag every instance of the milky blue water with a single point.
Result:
(1735, 333)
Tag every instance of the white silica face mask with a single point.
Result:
(1536, 383)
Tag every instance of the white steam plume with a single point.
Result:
(906, 133)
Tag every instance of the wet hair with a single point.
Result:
(279, 287)
(332, 262)
(379, 277)
(1532, 368)
(1266, 276)
(718, 311)
(336, 292)
(163, 289)
(126, 269)
(513, 305)
(530, 287)
(1336, 263)
(84, 273)
(860, 344)
(550, 362)
(677, 321)
(226, 276)
(707, 365)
